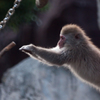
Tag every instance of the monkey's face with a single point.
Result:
(71, 36)
(69, 40)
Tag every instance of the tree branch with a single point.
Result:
(7, 48)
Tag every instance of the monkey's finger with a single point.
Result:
(25, 49)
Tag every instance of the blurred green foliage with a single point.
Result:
(26, 12)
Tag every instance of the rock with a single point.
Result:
(31, 80)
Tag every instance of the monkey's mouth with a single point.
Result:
(62, 40)
(61, 44)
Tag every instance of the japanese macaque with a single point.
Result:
(75, 51)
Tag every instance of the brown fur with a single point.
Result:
(79, 54)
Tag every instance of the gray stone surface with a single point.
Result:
(31, 80)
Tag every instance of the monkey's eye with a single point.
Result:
(77, 36)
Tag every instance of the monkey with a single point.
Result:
(41, 3)
(74, 51)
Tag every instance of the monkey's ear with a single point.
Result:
(77, 36)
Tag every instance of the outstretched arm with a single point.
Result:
(43, 54)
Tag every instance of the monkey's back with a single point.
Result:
(86, 64)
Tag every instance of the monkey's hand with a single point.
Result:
(29, 49)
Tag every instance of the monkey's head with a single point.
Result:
(72, 36)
